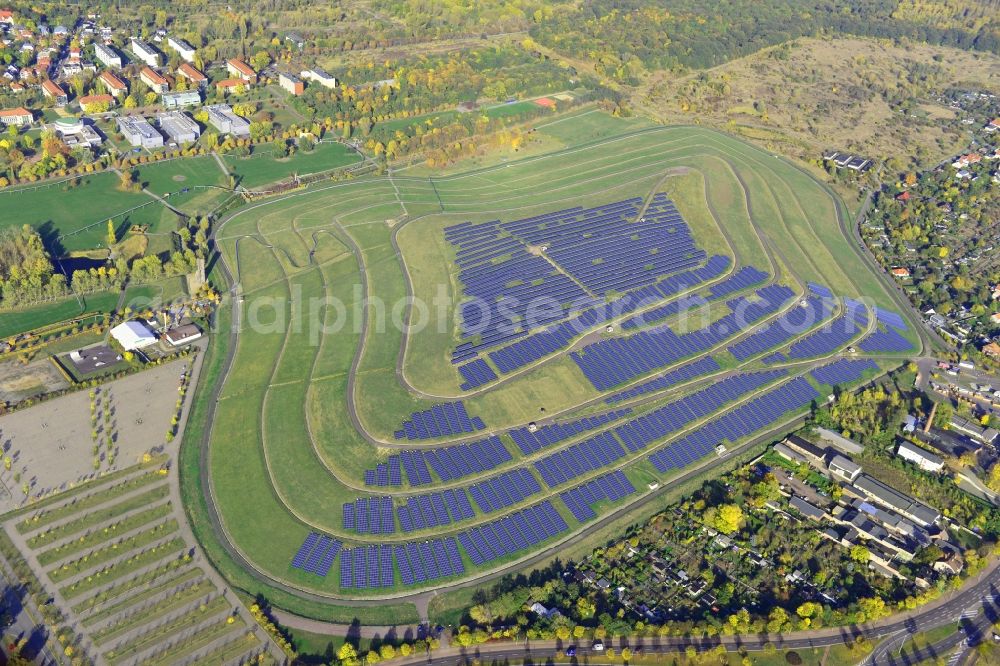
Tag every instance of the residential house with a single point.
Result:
(844, 467)
(184, 49)
(91, 103)
(240, 70)
(319, 76)
(900, 272)
(107, 56)
(114, 85)
(139, 132)
(151, 78)
(965, 160)
(993, 125)
(992, 350)
(230, 85)
(296, 40)
(19, 117)
(291, 83)
(54, 92)
(144, 52)
(192, 75)
(924, 459)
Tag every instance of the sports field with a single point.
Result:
(315, 408)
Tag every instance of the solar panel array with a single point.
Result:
(449, 418)
(885, 339)
(738, 281)
(733, 425)
(594, 453)
(428, 560)
(415, 466)
(542, 343)
(819, 290)
(504, 490)
(609, 363)
(660, 313)
(776, 357)
(686, 372)
(512, 533)
(833, 336)
(367, 567)
(369, 515)
(794, 322)
(843, 371)
(604, 249)
(385, 474)
(581, 499)
(434, 509)
(458, 460)
(668, 419)
(316, 554)
(890, 318)
(547, 435)
(476, 373)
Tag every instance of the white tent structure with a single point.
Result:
(133, 335)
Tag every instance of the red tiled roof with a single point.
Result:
(191, 73)
(230, 83)
(14, 113)
(113, 81)
(151, 75)
(92, 99)
(241, 67)
(52, 88)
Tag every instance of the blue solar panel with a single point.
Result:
(580, 500)
(611, 362)
(442, 420)
(763, 411)
(512, 533)
(843, 371)
(603, 250)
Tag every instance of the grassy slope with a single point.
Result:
(264, 527)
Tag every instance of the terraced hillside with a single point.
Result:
(433, 381)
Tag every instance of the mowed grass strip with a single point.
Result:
(123, 568)
(151, 576)
(228, 652)
(108, 553)
(197, 641)
(47, 517)
(138, 598)
(106, 533)
(181, 598)
(97, 517)
(175, 627)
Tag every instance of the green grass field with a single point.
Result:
(284, 434)
(262, 168)
(27, 319)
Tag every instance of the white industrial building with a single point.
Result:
(223, 119)
(139, 132)
(178, 127)
(133, 335)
